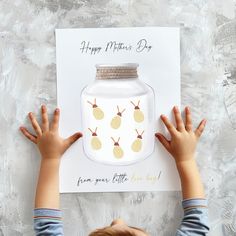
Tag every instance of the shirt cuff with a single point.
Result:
(47, 213)
(194, 203)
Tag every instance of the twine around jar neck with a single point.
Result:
(123, 71)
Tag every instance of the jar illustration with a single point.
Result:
(118, 116)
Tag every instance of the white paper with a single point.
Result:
(157, 51)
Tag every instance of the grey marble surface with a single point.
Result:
(208, 85)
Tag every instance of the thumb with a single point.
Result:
(199, 130)
(163, 141)
(70, 140)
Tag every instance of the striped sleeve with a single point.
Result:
(195, 220)
(48, 222)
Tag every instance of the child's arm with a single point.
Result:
(51, 146)
(182, 147)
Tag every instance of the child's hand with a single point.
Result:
(183, 139)
(47, 138)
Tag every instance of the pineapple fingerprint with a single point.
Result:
(95, 141)
(137, 144)
(97, 112)
(117, 150)
(116, 121)
(138, 114)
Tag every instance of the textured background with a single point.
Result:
(28, 79)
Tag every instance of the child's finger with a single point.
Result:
(200, 128)
(28, 135)
(178, 119)
(55, 121)
(188, 118)
(69, 141)
(168, 125)
(45, 123)
(163, 141)
(35, 124)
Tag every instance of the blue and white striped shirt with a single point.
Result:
(194, 223)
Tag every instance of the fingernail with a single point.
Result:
(187, 108)
(57, 110)
(175, 108)
(30, 114)
(43, 107)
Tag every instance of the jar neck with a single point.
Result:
(116, 72)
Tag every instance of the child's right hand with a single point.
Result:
(184, 140)
(46, 137)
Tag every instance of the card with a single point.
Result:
(117, 153)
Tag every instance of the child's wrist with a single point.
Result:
(186, 162)
(51, 160)
(186, 166)
(184, 158)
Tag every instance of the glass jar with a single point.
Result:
(118, 116)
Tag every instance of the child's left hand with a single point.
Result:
(47, 138)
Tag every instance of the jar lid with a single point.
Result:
(135, 65)
(116, 71)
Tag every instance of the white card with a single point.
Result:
(157, 51)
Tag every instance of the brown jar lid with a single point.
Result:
(116, 71)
